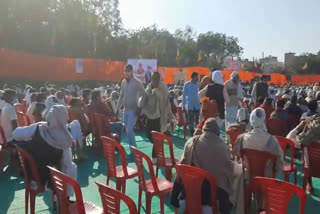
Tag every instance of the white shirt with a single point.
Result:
(8, 114)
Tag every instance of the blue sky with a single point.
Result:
(270, 26)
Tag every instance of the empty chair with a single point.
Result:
(193, 179)
(288, 167)
(255, 162)
(169, 162)
(182, 121)
(233, 135)
(19, 107)
(311, 164)
(33, 186)
(152, 187)
(60, 182)
(23, 119)
(111, 199)
(276, 195)
(120, 173)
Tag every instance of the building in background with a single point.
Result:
(269, 63)
(289, 59)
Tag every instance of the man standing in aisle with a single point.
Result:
(233, 99)
(131, 90)
(191, 100)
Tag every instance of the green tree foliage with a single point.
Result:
(71, 28)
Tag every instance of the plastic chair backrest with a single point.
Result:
(314, 159)
(192, 179)
(294, 120)
(109, 148)
(93, 124)
(284, 143)
(28, 164)
(182, 120)
(23, 119)
(102, 125)
(111, 199)
(19, 107)
(276, 194)
(256, 161)
(60, 182)
(3, 139)
(139, 156)
(277, 127)
(233, 135)
(158, 142)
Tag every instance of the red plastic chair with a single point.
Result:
(288, 168)
(182, 122)
(168, 163)
(33, 186)
(19, 107)
(120, 173)
(233, 135)
(60, 182)
(152, 187)
(255, 162)
(3, 149)
(111, 199)
(277, 127)
(101, 127)
(192, 179)
(23, 119)
(312, 168)
(276, 195)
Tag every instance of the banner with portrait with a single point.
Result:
(143, 69)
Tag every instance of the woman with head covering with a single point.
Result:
(50, 101)
(50, 143)
(259, 139)
(217, 92)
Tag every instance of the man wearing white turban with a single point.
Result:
(216, 91)
(234, 95)
(259, 139)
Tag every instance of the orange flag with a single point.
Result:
(305, 67)
(262, 65)
(94, 45)
(199, 56)
(255, 65)
(242, 65)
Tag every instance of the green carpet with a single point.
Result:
(12, 187)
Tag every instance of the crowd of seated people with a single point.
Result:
(60, 122)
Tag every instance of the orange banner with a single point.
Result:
(39, 67)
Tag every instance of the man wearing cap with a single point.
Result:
(191, 101)
(234, 96)
(209, 152)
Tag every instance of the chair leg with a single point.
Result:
(139, 200)
(118, 184)
(185, 131)
(32, 202)
(148, 203)
(54, 201)
(286, 176)
(157, 169)
(169, 173)
(26, 200)
(108, 179)
(123, 186)
(162, 204)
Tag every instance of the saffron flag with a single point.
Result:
(242, 65)
(262, 65)
(199, 56)
(305, 67)
(255, 65)
(94, 45)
